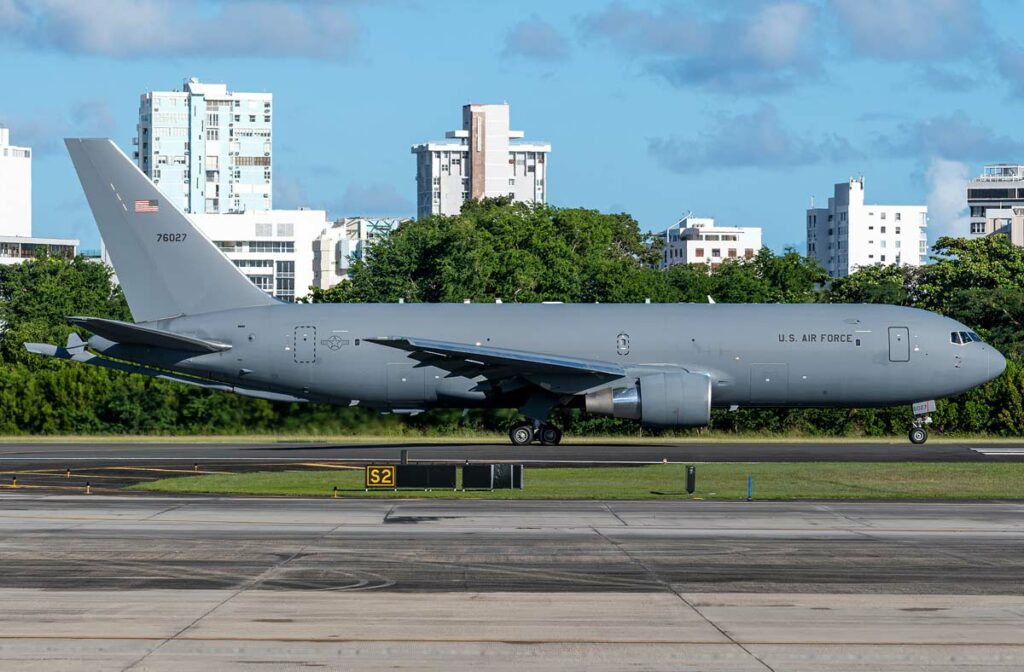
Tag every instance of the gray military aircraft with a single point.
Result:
(200, 321)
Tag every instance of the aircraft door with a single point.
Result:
(769, 384)
(304, 345)
(899, 344)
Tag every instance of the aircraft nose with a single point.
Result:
(996, 363)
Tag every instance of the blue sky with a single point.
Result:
(739, 110)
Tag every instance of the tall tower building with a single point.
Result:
(206, 148)
(482, 159)
(850, 234)
(996, 200)
(15, 188)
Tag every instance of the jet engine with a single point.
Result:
(660, 399)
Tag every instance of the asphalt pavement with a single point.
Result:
(610, 452)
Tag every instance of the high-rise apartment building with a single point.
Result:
(15, 187)
(482, 159)
(996, 201)
(850, 234)
(696, 240)
(206, 148)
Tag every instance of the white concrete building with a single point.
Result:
(16, 241)
(16, 249)
(850, 234)
(274, 248)
(15, 187)
(996, 201)
(343, 241)
(482, 159)
(208, 149)
(696, 240)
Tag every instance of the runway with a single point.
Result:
(610, 452)
(153, 583)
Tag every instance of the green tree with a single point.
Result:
(37, 296)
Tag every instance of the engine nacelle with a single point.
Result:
(659, 399)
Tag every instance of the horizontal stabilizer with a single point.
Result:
(84, 357)
(134, 334)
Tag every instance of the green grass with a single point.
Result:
(813, 480)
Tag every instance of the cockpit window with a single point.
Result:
(964, 337)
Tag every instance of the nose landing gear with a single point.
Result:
(918, 429)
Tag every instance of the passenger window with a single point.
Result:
(954, 337)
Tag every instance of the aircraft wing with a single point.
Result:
(470, 361)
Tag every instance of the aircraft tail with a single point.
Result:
(166, 266)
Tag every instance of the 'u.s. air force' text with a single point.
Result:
(815, 338)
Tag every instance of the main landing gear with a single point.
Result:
(545, 434)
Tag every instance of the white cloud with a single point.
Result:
(757, 139)
(954, 137)
(947, 189)
(761, 47)
(537, 40)
(910, 29)
(150, 28)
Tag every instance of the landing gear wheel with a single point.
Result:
(521, 435)
(918, 435)
(550, 435)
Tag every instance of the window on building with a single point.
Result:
(748, 253)
(698, 252)
(883, 257)
(977, 227)
(264, 229)
(883, 229)
(732, 251)
(716, 252)
(264, 282)
(897, 230)
(897, 217)
(883, 215)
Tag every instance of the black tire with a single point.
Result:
(521, 435)
(918, 435)
(550, 435)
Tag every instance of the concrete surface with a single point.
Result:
(155, 583)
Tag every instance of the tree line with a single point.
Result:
(517, 253)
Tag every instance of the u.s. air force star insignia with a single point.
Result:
(334, 342)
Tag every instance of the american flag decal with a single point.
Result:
(147, 205)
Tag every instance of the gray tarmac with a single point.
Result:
(127, 453)
(153, 583)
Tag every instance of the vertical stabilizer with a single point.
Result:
(166, 266)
